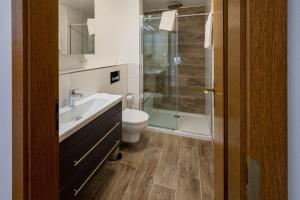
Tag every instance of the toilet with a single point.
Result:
(134, 122)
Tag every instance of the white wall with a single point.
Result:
(128, 43)
(5, 102)
(92, 81)
(117, 39)
(294, 98)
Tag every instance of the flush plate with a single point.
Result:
(114, 77)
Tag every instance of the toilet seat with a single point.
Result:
(134, 117)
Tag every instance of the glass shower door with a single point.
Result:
(160, 73)
(195, 107)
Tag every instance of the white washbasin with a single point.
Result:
(71, 119)
(81, 111)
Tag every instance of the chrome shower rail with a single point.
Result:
(179, 16)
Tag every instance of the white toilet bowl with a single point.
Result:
(134, 122)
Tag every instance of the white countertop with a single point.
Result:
(72, 119)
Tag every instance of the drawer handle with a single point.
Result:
(87, 153)
(76, 191)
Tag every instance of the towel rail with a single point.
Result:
(179, 16)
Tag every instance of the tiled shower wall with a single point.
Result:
(192, 71)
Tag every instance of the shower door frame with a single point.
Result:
(141, 81)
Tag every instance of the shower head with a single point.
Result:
(175, 5)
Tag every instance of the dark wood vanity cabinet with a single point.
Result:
(83, 153)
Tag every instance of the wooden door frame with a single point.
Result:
(219, 99)
(230, 183)
(236, 97)
(35, 92)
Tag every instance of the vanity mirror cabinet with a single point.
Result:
(76, 27)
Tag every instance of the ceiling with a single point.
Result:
(163, 4)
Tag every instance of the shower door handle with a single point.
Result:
(177, 60)
(208, 90)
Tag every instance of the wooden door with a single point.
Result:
(218, 137)
(257, 99)
(267, 94)
(35, 92)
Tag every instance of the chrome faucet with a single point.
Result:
(73, 95)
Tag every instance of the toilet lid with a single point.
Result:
(131, 116)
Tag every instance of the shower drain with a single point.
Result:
(177, 116)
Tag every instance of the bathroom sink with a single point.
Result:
(81, 111)
(71, 119)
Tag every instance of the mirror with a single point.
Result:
(76, 27)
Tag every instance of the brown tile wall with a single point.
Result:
(191, 72)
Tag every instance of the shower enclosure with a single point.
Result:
(176, 71)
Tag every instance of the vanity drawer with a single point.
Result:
(71, 143)
(81, 156)
(97, 158)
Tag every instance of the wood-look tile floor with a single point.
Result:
(159, 167)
